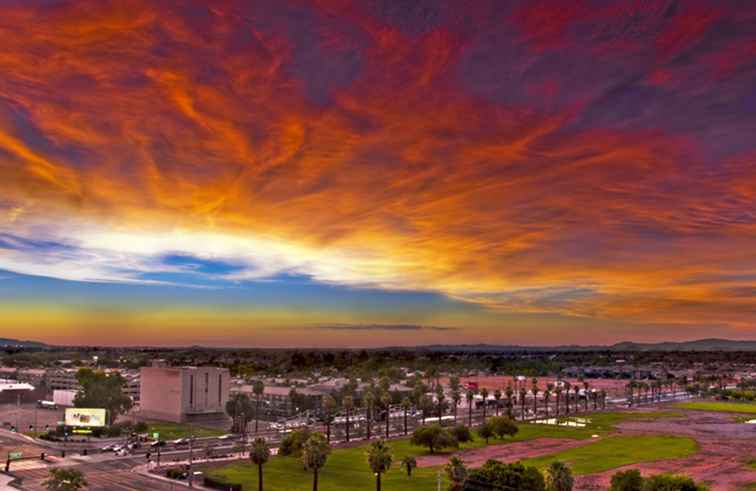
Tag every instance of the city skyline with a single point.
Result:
(335, 173)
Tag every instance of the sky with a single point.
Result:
(348, 173)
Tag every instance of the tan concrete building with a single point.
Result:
(181, 394)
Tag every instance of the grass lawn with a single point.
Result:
(617, 451)
(751, 462)
(718, 406)
(171, 431)
(347, 469)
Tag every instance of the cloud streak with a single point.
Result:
(590, 161)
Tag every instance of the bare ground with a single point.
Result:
(725, 446)
(506, 452)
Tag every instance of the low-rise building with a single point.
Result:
(181, 394)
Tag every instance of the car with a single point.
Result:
(108, 448)
(225, 437)
(158, 443)
(179, 441)
(122, 452)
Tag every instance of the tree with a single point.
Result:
(456, 472)
(329, 407)
(102, 390)
(258, 388)
(406, 406)
(409, 463)
(239, 408)
(386, 401)
(379, 458)
(259, 454)
(315, 453)
(456, 397)
(559, 477)
(486, 431)
(470, 396)
(534, 390)
(440, 401)
(461, 433)
(523, 396)
(629, 480)
(503, 426)
(547, 398)
(65, 479)
(510, 393)
(434, 437)
(566, 397)
(484, 394)
(558, 397)
(293, 443)
(512, 477)
(348, 404)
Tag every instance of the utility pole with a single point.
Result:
(191, 455)
(438, 481)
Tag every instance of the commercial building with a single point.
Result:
(183, 394)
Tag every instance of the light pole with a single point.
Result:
(191, 457)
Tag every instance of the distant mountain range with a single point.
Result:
(711, 344)
(6, 342)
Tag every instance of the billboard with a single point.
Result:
(83, 417)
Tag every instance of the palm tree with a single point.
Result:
(432, 375)
(386, 401)
(559, 477)
(456, 397)
(379, 458)
(259, 454)
(329, 406)
(510, 393)
(566, 397)
(497, 396)
(406, 406)
(348, 404)
(523, 396)
(534, 390)
(547, 398)
(558, 392)
(576, 388)
(457, 473)
(368, 400)
(586, 386)
(470, 396)
(315, 453)
(239, 408)
(258, 388)
(65, 479)
(293, 398)
(440, 401)
(484, 393)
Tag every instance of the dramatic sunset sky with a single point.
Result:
(377, 172)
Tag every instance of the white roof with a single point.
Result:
(22, 386)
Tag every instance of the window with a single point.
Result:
(191, 390)
(220, 388)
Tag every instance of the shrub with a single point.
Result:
(175, 473)
(503, 426)
(559, 477)
(486, 431)
(462, 434)
(512, 477)
(629, 480)
(670, 482)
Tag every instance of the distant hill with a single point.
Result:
(6, 342)
(698, 345)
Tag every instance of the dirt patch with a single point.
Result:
(725, 446)
(506, 452)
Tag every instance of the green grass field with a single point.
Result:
(613, 452)
(171, 431)
(717, 406)
(347, 469)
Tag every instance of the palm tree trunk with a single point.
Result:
(315, 480)
(378, 481)
(469, 415)
(405, 422)
(259, 477)
(257, 414)
(388, 414)
(328, 431)
(347, 426)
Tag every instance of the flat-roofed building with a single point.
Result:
(181, 394)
